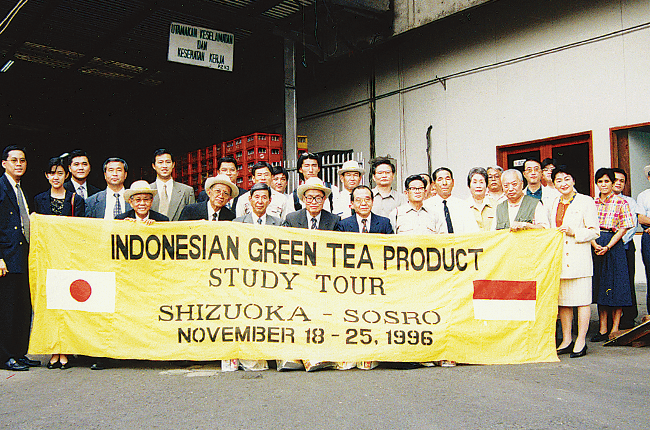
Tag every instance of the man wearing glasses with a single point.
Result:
(533, 175)
(313, 194)
(220, 190)
(414, 217)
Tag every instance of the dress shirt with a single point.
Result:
(545, 194)
(540, 217)
(407, 220)
(614, 213)
(309, 218)
(13, 184)
(137, 217)
(110, 202)
(256, 219)
(484, 214)
(462, 217)
(384, 204)
(643, 205)
(211, 212)
(360, 222)
(77, 185)
(170, 186)
(497, 199)
(342, 204)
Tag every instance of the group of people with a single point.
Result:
(601, 229)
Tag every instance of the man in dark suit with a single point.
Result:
(110, 202)
(259, 198)
(172, 196)
(313, 193)
(15, 302)
(220, 190)
(364, 220)
(140, 196)
(79, 170)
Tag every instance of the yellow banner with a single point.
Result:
(222, 290)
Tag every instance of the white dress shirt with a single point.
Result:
(110, 202)
(462, 218)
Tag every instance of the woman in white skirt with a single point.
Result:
(576, 216)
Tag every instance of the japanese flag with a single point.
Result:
(504, 300)
(80, 290)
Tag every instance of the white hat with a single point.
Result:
(139, 187)
(351, 166)
(646, 170)
(222, 179)
(314, 183)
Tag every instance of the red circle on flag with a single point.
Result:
(80, 290)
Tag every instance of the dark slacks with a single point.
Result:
(15, 315)
(630, 312)
(645, 254)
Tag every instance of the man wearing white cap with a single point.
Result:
(350, 174)
(312, 194)
(140, 197)
(220, 190)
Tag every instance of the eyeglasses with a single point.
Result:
(312, 199)
(532, 169)
(221, 193)
(416, 189)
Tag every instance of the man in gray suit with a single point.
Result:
(172, 196)
(259, 198)
(110, 202)
(313, 194)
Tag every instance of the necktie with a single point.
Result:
(24, 216)
(117, 209)
(163, 207)
(82, 191)
(365, 225)
(313, 224)
(214, 216)
(450, 228)
(259, 221)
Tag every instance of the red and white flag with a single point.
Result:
(504, 300)
(78, 290)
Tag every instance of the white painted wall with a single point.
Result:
(587, 86)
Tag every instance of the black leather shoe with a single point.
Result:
(98, 365)
(27, 362)
(582, 353)
(65, 366)
(55, 365)
(12, 364)
(600, 337)
(566, 349)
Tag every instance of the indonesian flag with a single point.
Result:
(504, 300)
(78, 290)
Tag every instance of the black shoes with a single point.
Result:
(15, 366)
(27, 362)
(55, 365)
(582, 353)
(600, 337)
(566, 349)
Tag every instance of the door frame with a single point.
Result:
(619, 148)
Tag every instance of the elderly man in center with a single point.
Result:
(220, 190)
(140, 196)
(519, 211)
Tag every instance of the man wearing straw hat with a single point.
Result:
(220, 190)
(140, 197)
(350, 174)
(313, 194)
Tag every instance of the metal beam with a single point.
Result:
(290, 105)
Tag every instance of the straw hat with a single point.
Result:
(351, 166)
(314, 183)
(222, 179)
(139, 187)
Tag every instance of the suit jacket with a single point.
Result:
(152, 215)
(13, 244)
(378, 224)
(181, 195)
(299, 220)
(248, 219)
(96, 205)
(90, 189)
(42, 204)
(582, 217)
(199, 211)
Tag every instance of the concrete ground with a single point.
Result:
(607, 389)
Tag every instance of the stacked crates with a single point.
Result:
(194, 167)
